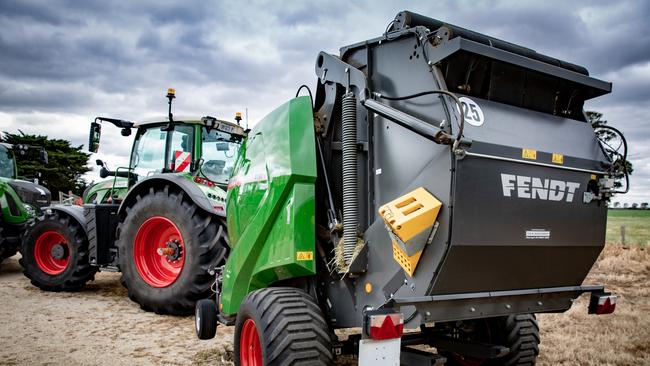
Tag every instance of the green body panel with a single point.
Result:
(101, 191)
(216, 194)
(271, 204)
(7, 217)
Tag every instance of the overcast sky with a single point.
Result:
(64, 62)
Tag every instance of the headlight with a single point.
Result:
(30, 210)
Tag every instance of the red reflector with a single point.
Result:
(602, 304)
(386, 326)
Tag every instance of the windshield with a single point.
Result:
(149, 152)
(219, 151)
(7, 165)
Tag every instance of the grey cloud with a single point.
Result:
(82, 59)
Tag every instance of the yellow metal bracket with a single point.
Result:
(409, 220)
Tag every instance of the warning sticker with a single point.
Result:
(304, 256)
(529, 154)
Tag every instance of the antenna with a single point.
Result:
(247, 118)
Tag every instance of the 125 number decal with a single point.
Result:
(473, 113)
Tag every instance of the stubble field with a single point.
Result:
(101, 326)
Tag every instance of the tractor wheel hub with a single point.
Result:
(59, 251)
(172, 250)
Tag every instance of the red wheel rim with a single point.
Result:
(156, 269)
(250, 351)
(44, 257)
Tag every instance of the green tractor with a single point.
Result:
(164, 235)
(20, 200)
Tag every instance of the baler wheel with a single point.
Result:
(166, 245)
(521, 334)
(281, 326)
(55, 254)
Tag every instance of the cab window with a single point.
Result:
(219, 151)
(149, 152)
(180, 158)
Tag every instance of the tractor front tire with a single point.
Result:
(281, 326)
(166, 245)
(55, 254)
(7, 249)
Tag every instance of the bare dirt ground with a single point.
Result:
(101, 326)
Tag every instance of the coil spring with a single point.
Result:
(350, 204)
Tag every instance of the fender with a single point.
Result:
(189, 188)
(76, 212)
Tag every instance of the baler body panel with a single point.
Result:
(497, 253)
(518, 225)
(271, 204)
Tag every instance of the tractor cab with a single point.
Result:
(200, 149)
(7, 162)
(204, 148)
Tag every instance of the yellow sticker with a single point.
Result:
(529, 154)
(558, 158)
(593, 177)
(304, 256)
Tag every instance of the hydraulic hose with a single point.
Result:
(622, 156)
(350, 204)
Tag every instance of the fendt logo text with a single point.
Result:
(522, 186)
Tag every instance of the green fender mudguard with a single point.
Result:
(271, 204)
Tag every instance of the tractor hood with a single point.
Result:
(32, 193)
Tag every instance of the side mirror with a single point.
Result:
(95, 135)
(44, 158)
(222, 146)
(99, 162)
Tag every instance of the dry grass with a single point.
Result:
(637, 226)
(622, 338)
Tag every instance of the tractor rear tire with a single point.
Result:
(281, 326)
(55, 254)
(167, 220)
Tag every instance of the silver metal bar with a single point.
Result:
(494, 157)
(403, 119)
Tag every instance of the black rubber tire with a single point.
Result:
(290, 325)
(7, 249)
(77, 273)
(205, 318)
(520, 333)
(202, 245)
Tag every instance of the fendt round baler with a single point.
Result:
(160, 221)
(441, 181)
